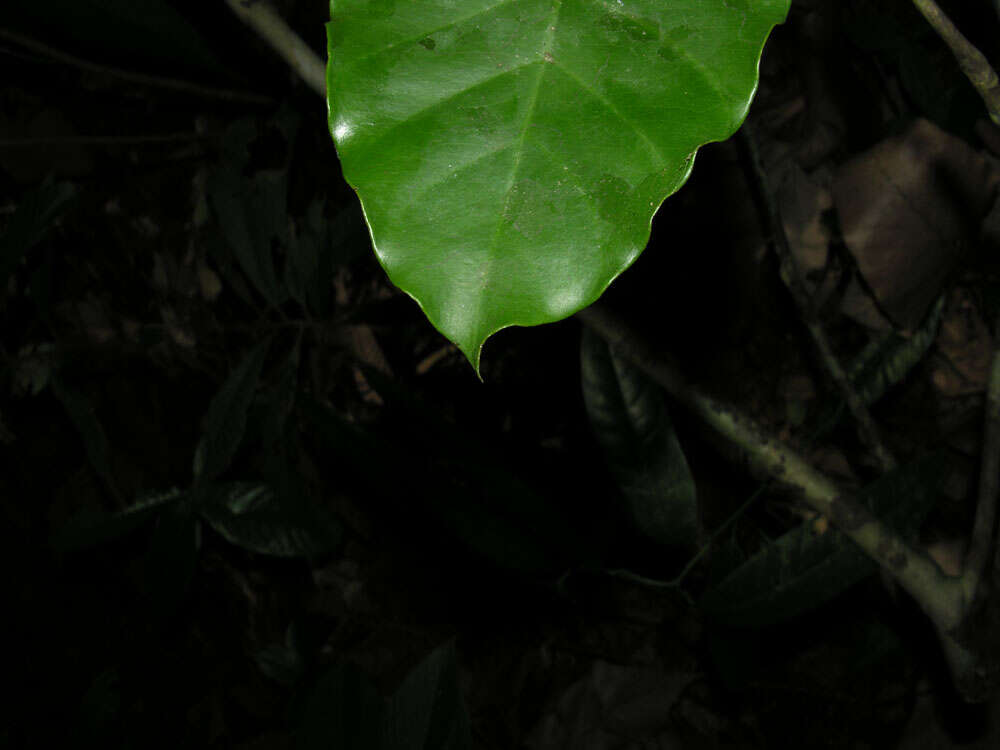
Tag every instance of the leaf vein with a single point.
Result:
(612, 109)
(425, 34)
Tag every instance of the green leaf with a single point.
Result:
(93, 529)
(884, 363)
(253, 218)
(804, 569)
(252, 516)
(891, 358)
(629, 416)
(283, 662)
(510, 156)
(344, 710)
(427, 712)
(226, 420)
(33, 218)
(277, 403)
(82, 414)
(307, 248)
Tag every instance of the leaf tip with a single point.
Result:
(473, 351)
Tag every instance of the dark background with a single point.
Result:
(429, 508)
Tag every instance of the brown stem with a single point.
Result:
(973, 63)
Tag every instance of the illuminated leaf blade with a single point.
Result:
(510, 154)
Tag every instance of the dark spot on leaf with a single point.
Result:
(428, 43)
(609, 192)
(382, 8)
(677, 34)
(668, 50)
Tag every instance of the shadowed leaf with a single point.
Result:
(226, 419)
(81, 412)
(33, 218)
(629, 417)
(252, 516)
(94, 529)
(427, 712)
(804, 569)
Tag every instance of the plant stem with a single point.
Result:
(774, 227)
(263, 19)
(973, 63)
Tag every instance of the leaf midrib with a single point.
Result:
(551, 24)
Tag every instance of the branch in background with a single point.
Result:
(956, 615)
(263, 19)
(916, 573)
(176, 84)
(775, 229)
(973, 63)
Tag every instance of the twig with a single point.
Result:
(973, 63)
(263, 19)
(144, 79)
(774, 227)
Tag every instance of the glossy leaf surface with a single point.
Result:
(510, 154)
